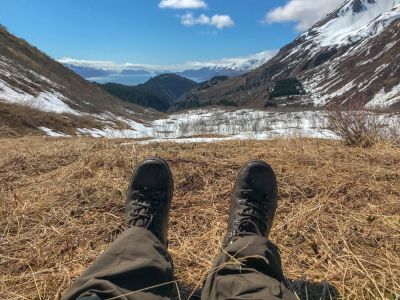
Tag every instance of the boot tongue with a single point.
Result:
(247, 226)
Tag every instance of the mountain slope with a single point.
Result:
(170, 85)
(348, 57)
(159, 92)
(36, 92)
(31, 77)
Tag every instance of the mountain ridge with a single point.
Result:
(340, 73)
(160, 92)
(197, 71)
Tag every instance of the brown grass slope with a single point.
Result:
(337, 225)
(83, 95)
(18, 121)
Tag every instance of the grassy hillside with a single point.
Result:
(33, 72)
(18, 121)
(337, 225)
(160, 92)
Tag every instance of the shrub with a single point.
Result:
(364, 128)
(286, 87)
(190, 104)
(225, 102)
(324, 57)
(219, 78)
(270, 104)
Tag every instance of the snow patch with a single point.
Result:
(343, 90)
(383, 99)
(48, 101)
(198, 125)
(380, 68)
(52, 133)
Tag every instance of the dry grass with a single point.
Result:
(62, 202)
(364, 128)
(17, 120)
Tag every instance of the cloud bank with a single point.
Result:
(183, 4)
(219, 21)
(194, 65)
(303, 12)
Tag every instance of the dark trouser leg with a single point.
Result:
(136, 260)
(249, 268)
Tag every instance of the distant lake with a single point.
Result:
(128, 79)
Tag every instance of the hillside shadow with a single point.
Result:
(313, 290)
(305, 290)
(187, 290)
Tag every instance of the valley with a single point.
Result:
(273, 97)
(323, 111)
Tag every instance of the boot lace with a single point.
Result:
(144, 203)
(253, 214)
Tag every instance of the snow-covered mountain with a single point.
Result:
(197, 71)
(349, 57)
(354, 21)
(228, 67)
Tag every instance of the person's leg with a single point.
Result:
(137, 264)
(135, 261)
(249, 267)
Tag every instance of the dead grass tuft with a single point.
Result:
(62, 202)
(364, 128)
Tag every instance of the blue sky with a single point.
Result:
(154, 31)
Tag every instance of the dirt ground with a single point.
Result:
(337, 225)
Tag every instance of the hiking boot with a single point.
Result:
(149, 197)
(254, 202)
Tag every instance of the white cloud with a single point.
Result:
(189, 20)
(219, 21)
(195, 65)
(304, 12)
(182, 4)
(232, 61)
(111, 66)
